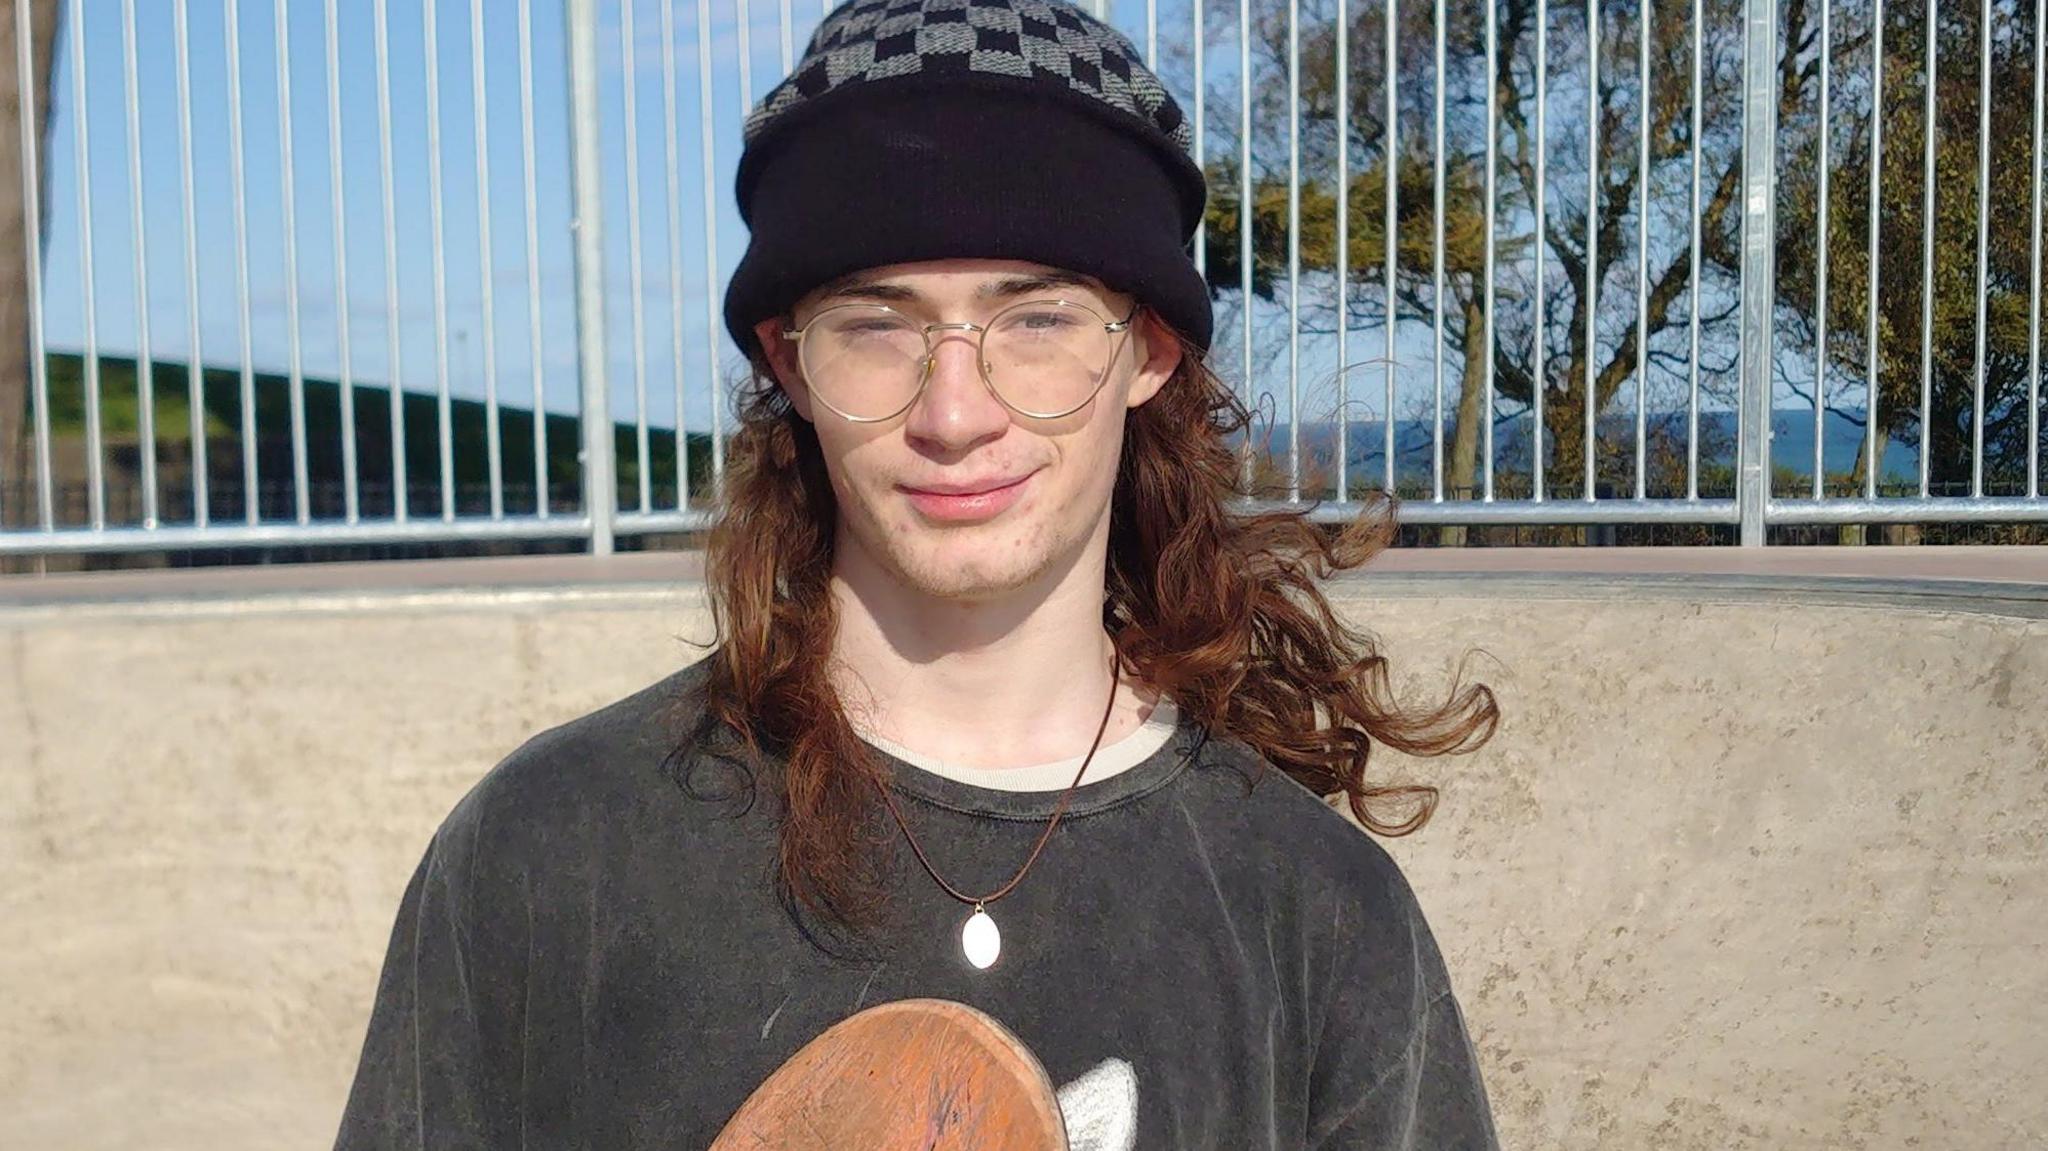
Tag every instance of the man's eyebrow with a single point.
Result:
(1007, 287)
(1036, 282)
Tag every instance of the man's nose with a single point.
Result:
(956, 410)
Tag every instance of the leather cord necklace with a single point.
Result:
(979, 939)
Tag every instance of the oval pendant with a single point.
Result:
(980, 939)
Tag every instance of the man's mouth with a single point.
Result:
(969, 501)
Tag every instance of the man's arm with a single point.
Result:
(441, 1064)
(1430, 1098)
(1394, 1068)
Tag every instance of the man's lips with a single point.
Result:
(966, 502)
(972, 488)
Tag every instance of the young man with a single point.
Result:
(1008, 706)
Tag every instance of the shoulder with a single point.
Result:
(1272, 808)
(589, 772)
(1350, 893)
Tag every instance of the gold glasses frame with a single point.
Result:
(1112, 327)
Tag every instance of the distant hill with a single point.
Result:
(222, 423)
(1793, 438)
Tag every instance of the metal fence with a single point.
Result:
(1712, 262)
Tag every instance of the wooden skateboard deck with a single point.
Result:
(919, 1074)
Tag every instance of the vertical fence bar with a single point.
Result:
(1486, 274)
(600, 496)
(443, 413)
(1201, 54)
(94, 469)
(629, 81)
(1244, 214)
(252, 508)
(788, 40)
(2034, 256)
(145, 385)
(1591, 367)
(302, 496)
(1436, 300)
(1983, 243)
(32, 231)
(1873, 365)
(1393, 221)
(195, 372)
(1539, 373)
(1692, 401)
(1759, 159)
(673, 180)
(1294, 249)
(1820, 268)
(1343, 63)
(1643, 18)
(480, 113)
(1927, 255)
(746, 78)
(1151, 36)
(531, 194)
(399, 502)
(711, 318)
(338, 195)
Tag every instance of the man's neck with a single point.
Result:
(1002, 682)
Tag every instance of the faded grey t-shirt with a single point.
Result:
(591, 954)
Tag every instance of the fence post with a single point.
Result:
(1759, 289)
(600, 493)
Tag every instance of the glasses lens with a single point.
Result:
(863, 362)
(1047, 357)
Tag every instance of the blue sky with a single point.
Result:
(733, 89)
(319, 339)
(735, 80)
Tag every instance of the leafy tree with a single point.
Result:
(1612, 357)
(1903, 280)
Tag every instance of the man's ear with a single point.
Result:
(1158, 352)
(782, 361)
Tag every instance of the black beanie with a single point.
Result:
(999, 129)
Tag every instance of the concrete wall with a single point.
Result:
(1745, 867)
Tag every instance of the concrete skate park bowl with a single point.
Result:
(1757, 860)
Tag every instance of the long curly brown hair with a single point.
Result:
(1217, 608)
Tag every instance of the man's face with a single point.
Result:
(959, 496)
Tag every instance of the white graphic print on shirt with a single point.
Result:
(1101, 1108)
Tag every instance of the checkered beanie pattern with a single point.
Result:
(919, 130)
(1058, 43)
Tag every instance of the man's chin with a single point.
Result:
(965, 584)
(962, 569)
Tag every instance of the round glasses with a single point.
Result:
(1041, 358)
